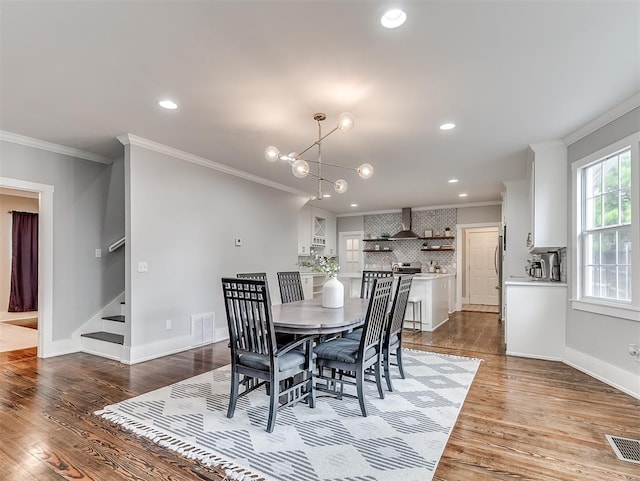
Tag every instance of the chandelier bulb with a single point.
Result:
(300, 168)
(271, 153)
(365, 171)
(345, 121)
(340, 186)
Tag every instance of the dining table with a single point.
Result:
(308, 317)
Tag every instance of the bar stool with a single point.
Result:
(416, 301)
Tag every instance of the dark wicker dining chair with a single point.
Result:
(290, 286)
(256, 358)
(367, 281)
(348, 359)
(392, 340)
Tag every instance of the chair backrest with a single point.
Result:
(290, 286)
(377, 316)
(399, 305)
(248, 316)
(256, 276)
(367, 281)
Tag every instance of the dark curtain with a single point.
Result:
(24, 263)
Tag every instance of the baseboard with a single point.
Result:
(155, 350)
(625, 381)
(531, 356)
(59, 348)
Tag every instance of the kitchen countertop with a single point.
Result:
(420, 276)
(528, 281)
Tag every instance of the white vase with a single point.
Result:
(333, 293)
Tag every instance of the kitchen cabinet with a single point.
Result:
(536, 319)
(312, 283)
(547, 175)
(317, 231)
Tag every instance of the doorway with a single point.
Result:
(478, 282)
(44, 194)
(350, 251)
(18, 323)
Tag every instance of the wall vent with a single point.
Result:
(626, 449)
(202, 328)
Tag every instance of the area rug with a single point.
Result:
(402, 438)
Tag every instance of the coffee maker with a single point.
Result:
(544, 266)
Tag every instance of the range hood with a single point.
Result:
(406, 232)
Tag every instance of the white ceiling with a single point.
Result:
(247, 74)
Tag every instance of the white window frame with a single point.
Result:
(622, 309)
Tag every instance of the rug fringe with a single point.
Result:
(442, 354)
(186, 449)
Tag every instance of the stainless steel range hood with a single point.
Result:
(406, 232)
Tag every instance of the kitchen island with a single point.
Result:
(436, 291)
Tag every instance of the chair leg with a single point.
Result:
(399, 360)
(387, 374)
(378, 369)
(273, 407)
(233, 396)
(311, 400)
(360, 387)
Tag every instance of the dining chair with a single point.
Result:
(367, 281)
(348, 359)
(290, 286)
(256, 276)
(255, 354)
(392, 339)
(392, 335)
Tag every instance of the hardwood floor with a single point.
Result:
(522, 420)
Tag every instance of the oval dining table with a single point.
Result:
(309, 317)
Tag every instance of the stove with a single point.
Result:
(407, 267)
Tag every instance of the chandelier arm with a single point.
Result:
(321, 178)
(317, 142)
(332, 165)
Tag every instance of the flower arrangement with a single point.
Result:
(328, 265)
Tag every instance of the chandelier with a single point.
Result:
(300, 167)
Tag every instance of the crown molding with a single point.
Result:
(51, 147)
(608, 117)
(432, 207)
(127, 139)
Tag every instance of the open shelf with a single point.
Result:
(438, 249)
(377, 250)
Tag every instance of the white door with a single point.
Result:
(483, 278)
(350, 251)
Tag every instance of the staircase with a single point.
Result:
(109, 340)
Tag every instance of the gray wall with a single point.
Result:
(84, 220)
(602, 337)
(182, 221)
(480, 214)
(350, 224)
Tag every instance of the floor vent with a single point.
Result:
(202, 328)
(626, 449)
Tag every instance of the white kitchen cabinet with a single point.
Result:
(317, 231)
(547, 174)
(307, 285)
(536, 319)
(434, 292)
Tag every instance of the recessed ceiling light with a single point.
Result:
(354, 205)
(462, 195)
(447, 126)
(168, 104)
(393, 18)
(326, 196)
(453, 181)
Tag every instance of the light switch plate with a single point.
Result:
(143, 266)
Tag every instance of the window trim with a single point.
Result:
(622, 309)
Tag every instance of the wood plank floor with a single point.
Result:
(522, 420)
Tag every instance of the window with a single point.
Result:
(606, 228)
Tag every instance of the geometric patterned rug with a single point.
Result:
(402, 438)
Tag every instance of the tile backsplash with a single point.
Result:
(409, 250)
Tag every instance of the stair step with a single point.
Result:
(114, 318)
(106, 336)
